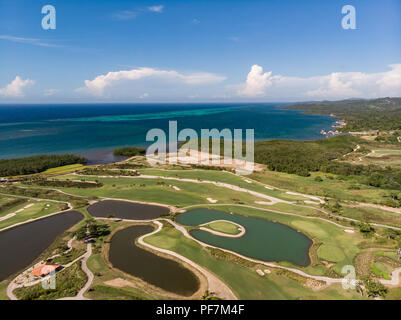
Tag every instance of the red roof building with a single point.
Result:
(44, 269)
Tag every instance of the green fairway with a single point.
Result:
(330, 253)
(176, 193)
(223, 227)
(318, 230)
(244, 280)
(30, 210)
(63, 169)
(222, 176)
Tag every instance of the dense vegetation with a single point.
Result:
(360, 115)
(35, 164)
(301, 157)
(129, 151)
(92, 229)
(64, 183)
(105, 172)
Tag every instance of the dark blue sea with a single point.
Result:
(94, 130)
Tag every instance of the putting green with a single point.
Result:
(224, 227)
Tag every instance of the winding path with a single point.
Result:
(89, 274)
(215, 284)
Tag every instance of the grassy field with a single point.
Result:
(161, 191)
(38, 209)
(383, 157)
(224, 227)
(222, 176)
(244, 280)
(330, 186)
(63, 169)
(372, 215)
(3, 290)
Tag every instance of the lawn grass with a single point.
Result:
(3, 290)
(243, 280)
(160, 191)
(380, 270)
(222, 176)
(11, 205)
(372, 215)
(63, 169)
(39, 209)
(331, 186)
(223, 227)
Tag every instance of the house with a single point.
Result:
(44, 269)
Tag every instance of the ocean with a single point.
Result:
(94, 130)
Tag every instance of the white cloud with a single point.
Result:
(143, 96)
(337, 85)
(126, 15)
(98, 85)
(15, 89)
(256, 82)
(158, 9)
(32, 41)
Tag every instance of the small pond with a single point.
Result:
(161, 272)
(126, 210)
(264, 240)
(21, 245)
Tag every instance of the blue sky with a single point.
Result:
(198, 51)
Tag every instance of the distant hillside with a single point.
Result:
(360, 115)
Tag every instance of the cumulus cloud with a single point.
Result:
(15, 89)
(256, 82)
(158, 9)
(98, 85)
(337, 85)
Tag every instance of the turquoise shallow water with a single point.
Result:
(95, 130)
(263, 240)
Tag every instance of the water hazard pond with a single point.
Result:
(264, 240)
(126, 210)
(161, 272)
(21, 245)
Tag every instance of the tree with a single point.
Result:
(374, 288)
(318, 179)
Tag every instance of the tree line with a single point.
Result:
(36, 164)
